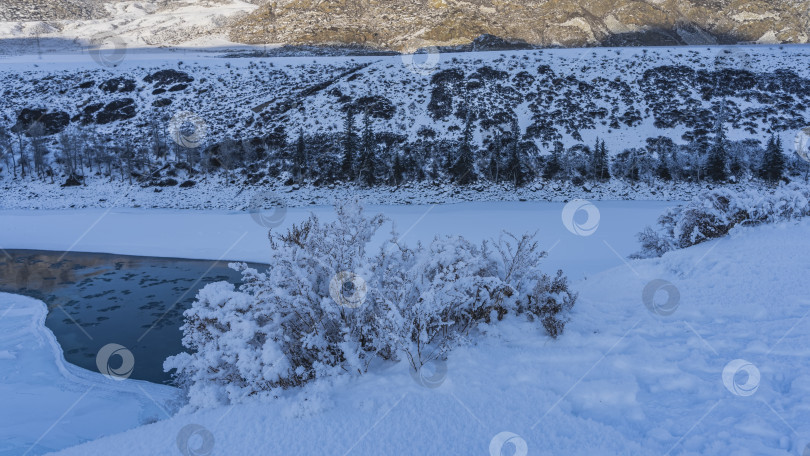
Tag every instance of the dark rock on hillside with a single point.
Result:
(166, 182)
(116, 110)
(122, 85)
(162, 102)
(87, 115)
(73, 180)
(52, 122)
(167, 77)
(377, 106)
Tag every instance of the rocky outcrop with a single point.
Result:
(405, 25)
(50, 10)
(410, 24)
(49, 122)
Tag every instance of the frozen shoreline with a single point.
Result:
(38, 386)
(235, 235)
(217, 194)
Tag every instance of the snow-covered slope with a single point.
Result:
(575, 95)
(622, 380)
(59, 25)
(48, 404)
(417, 107)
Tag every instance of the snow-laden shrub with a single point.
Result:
(435, 296)
(714, 213)
(291, 324)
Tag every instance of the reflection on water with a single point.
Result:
(96, 299)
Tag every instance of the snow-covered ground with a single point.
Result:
(191, 23)
(216, 193)
(622, 380)
(235, 235)
(48, 404)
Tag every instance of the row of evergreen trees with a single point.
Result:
(513, 158)
(361, 155)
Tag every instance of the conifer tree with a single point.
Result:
(397, 170)
(367, 169)
(718, 158)
(662, 170)
(463, 169)
(494, 166)
(349, 146)
(300, 158)
(599, 165)
(516, 168)
(773, 162)
(553, 166)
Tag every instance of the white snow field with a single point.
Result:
(235, 235)
(192, 23)
(48, 404)
(621, 381)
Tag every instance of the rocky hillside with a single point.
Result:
(568, 95)
(45, 26)
(405, 25)
(50, 10)
(409, 24)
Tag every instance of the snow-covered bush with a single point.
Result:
(325, 307)
(714, 213)
(435, 296)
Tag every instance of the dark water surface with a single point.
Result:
(95, 299)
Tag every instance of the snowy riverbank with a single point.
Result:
(215, 193)
(48, 404)
(235, 235)
(622, 380)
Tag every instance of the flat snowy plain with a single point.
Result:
(621, 380)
